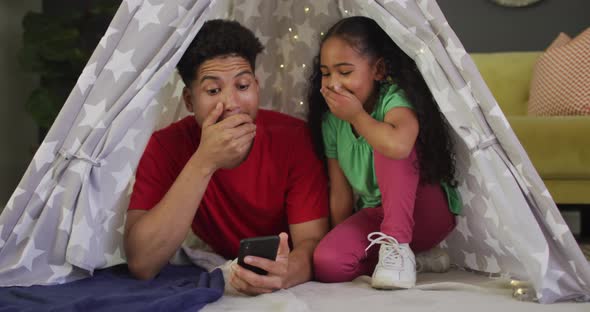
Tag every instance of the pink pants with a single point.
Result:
(410, 212)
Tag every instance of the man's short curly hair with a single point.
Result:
(218, 38)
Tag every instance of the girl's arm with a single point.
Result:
(394, 137)
(341, 196)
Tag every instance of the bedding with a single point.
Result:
(176, 288)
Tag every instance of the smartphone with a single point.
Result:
(262, 246)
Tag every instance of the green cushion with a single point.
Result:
(508, 75)
(558, 146)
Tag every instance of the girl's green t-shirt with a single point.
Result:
(355, 155)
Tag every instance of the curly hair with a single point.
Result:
(436, 159)
(218, 38)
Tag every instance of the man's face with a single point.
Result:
(228, 80)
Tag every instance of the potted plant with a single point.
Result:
(56, 46)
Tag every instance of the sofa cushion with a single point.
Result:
(508, 75)
(561, 79)
(558, 146)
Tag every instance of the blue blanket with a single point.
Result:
(176, 288)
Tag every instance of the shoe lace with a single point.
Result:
(392, 254)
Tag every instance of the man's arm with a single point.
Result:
(152, 237)
(305, 237)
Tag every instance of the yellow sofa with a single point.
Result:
(558, 146)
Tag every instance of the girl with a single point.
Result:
(374, 119)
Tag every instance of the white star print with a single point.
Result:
(307, 33)
(66, 220)
(263, 39)
(105, 38)
(559, 229)
(56, 191)
(146, 74)
(17, 192)
(465, 93)
(81, 234)
(551, 283)
(87, 78)
(262, 74)
(120, 63)
(463, 228)
(23, 228)
(494, 243)
(148, 14)
(249, 10)
(179, 16)
(423, 4)
(491, 212)
(79, 167)
(60, 272)
(497, 112)
(133, 4)
(471, 260)
(402, 3)
(547, 194)
(543, 259)
(442, 98)
(105, 224)
(30, 253)
(122, 178)
(321, 7)
(153, 103)
(93, 113)
(45, 154)
(297, 72)
(131, 184)
(121, 229)
(456, 53)
(128, 140)
(114, 258)
(573, 265)
(2, 241)
(492, 264)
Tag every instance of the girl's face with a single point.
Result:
(342, 65)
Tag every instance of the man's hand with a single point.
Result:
(248, 282)
(226, 143)
(342, 103)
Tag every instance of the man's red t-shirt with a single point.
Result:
(281, 182)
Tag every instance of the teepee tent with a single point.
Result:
(66, 217)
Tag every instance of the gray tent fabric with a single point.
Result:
(66, 217)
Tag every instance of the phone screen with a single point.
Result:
(263, 246)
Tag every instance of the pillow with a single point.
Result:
(561, 78)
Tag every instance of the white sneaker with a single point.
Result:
(434, 260)
(397, 265)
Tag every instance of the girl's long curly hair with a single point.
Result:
(434, 145)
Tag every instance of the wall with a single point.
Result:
(483, 26)
(17, 130)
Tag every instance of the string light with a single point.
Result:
(303, 65)
(282, 66)
(345, 11)
(322, 34)
(290, 29)
(300, 102)
(306, 9)
(295, 37)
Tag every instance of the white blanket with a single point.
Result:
(454, 291)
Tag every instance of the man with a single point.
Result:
(229, 172)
